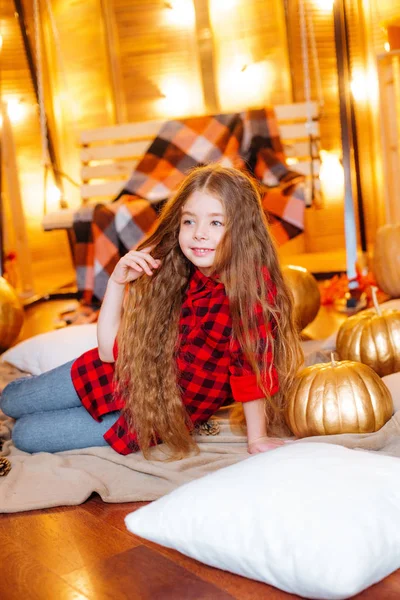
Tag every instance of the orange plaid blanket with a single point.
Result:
(248, 140)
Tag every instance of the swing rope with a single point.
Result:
(41, 100)
(42, 113)
(315, 57)
(307, 32)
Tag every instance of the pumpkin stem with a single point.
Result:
(374, 289)
(333, 361)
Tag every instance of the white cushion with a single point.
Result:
(317, 520)
(393, 383)
(317, 351)
(392, 304)
(52, 349)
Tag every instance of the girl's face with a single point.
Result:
(201, 230)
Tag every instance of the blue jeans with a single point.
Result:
(49, 414)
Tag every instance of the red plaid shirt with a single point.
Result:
(212, 368)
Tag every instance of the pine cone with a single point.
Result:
(209, 428)
(5, 466)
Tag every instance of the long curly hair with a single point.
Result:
(146, 370)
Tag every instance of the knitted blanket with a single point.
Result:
(68, 478)
(248, 141)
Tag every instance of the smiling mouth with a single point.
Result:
(202, 250)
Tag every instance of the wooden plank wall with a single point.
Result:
(251, 53)
(116, 60)
(367, 38)
(324, 226)
(367, 22)
(139, 59)
(47, 250)
(380, 13)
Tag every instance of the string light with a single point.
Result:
(179, 97)
(223, 6)
(181, 13)
(16, 110)
(364, 85)
(244, 82)
(326, 5)
(53, 194)
(331, 176)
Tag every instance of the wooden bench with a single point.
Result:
(109, 154)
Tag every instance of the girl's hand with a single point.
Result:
(263, 444)
(133, 264)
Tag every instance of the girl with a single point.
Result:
(207, 319)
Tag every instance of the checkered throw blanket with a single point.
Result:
(248, 140)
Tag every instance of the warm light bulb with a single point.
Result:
(364, 85)
(331, 176)
(222, 6)
(179, 97)
(243, 82)
(326, 5)
(180, 13)
(53, 196)
(1, 42)
(358, 87)
(16, 110)
(387, 46)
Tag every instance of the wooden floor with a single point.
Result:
(85, 552)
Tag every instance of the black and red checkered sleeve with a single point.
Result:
(93, 381)
(243, 380)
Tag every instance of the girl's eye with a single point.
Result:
(187, 222)
(217, 223)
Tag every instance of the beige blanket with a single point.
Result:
(69, 478)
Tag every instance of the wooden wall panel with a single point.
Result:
(366, 21)
(317, 238)
(322, 20)
(367, 38)
(250, 53)
(378, 14)
(158, 58)
(79, 78)
(151, 67)
(364, 93)
(82, 74)
(50, 254)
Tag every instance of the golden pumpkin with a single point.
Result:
(306, 294)
(372, 337)
(11, 315)
(338, 397)
(386, 260)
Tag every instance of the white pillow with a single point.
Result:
(393, 304)
(393, 383)
(52, 349)
(318, 520)
(316, 351)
